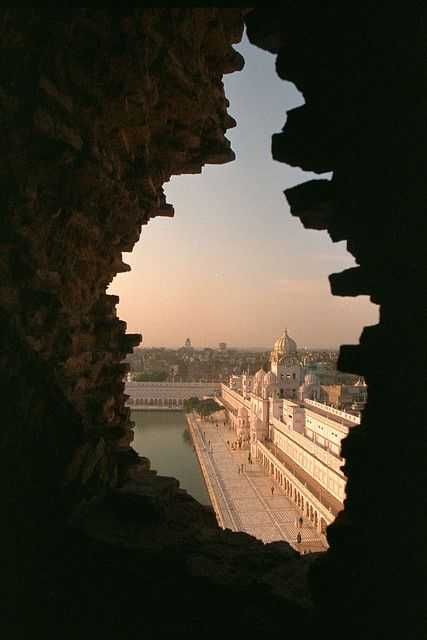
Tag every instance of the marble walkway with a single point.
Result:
(244, 501)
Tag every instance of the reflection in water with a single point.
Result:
(186, 437)
(162, 437)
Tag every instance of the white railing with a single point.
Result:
(234, 396)
(336, 412)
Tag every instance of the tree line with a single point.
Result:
(204, 407)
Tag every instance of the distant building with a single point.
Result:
(222, 346)
(345, 396)
(173, 371)
(188, 344)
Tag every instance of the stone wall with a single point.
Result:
(362, 73)
(99, 108)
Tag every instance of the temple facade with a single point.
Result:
(277, 415)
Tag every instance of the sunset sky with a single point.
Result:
(234, 265)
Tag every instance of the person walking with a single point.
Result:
(301, 522)
(299, 539)
(272, 491)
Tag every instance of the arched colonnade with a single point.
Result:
(302, 503)
(166, 403)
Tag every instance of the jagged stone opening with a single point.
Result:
(78, 93)
(206, 192)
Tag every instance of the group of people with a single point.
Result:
(234, 446)
(217, 425)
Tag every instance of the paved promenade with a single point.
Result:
(243, 501)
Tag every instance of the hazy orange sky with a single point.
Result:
(234, 265)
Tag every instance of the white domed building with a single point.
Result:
(286, 366)
(280, 418)
(269, 385)
(251, 400)
(258, 382)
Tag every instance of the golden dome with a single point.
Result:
(284, 346)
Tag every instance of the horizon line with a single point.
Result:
(233, 347)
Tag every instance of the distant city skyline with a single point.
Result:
(234, 265)
(231, 347)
